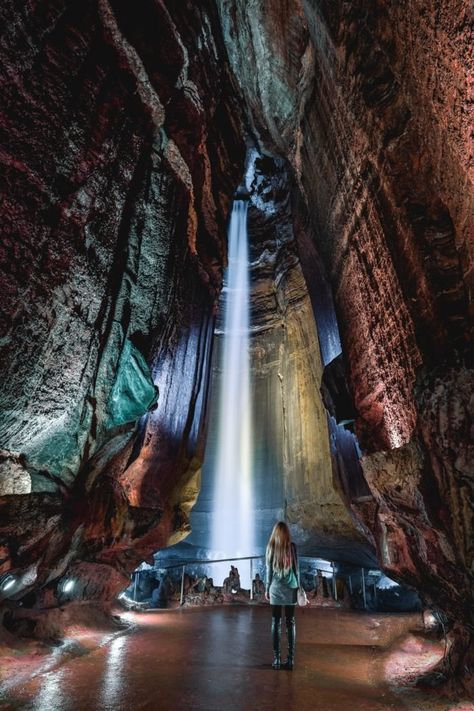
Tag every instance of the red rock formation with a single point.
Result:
(121, 147)
(371, 103)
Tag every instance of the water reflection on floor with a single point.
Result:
(219, 658)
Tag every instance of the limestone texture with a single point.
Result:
(371, 103)
(121, 146)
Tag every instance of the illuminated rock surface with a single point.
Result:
(121, 148)
(371, 105)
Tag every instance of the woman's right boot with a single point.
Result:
(276, 638)
(291, 636)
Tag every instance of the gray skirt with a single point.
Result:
(281, 594)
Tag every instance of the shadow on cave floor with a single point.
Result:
(217, 659)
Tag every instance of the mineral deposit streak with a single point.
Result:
(232, 519)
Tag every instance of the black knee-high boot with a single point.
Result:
(276, 638)
(291, 637)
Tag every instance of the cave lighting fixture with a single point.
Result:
(232, 529)
(385, 583)
(126, 598)
(8, 583)
(69, 586)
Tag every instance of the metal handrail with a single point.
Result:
(183, 565)
(206, 562)
(200, 561)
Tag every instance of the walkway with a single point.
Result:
(217, 659)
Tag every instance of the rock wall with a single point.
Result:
(121, 148)
(293, 445)
(372, 105)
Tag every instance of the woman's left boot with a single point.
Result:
(276, 639)
(291, 637)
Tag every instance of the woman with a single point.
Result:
(281, 589)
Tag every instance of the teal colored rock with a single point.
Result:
(134, 392)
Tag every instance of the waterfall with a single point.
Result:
(232, 528)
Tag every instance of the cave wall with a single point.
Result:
(121, 148)
(293, 443)
(371, 104)
(383, 158)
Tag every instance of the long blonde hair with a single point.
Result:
(279, 553)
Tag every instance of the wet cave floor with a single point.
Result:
(219, 658)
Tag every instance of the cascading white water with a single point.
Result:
(232, 533)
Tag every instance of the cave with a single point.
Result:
(130, 134)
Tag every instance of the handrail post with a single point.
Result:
(181, 599)
(350, 584)
(251, 577)
(137, 573)
(363, 589)
(334, 587)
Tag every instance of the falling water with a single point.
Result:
(232, 520)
